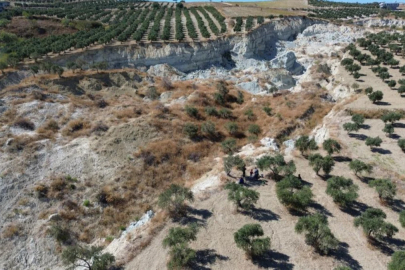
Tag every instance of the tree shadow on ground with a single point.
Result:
(342, 255)
(198, 216)
(382, 103)
(261, 214)
(394, 136)
(399, 125)
(355, 209)
(305, 183)
(273, 259)
(397, 205)
(364, 126)
(252, 182)
(320, 209)
(366, 179)
(206, 257)
(360, 137)
(381, 151)
(341, 159)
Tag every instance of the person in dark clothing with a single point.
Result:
(241, 181)
(299, 176)
(251, 173)
(244, 171)
(256, 172)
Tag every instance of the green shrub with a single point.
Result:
(278, 166)
(211, 111)
(331, 146)
(60, 233)
(318, 162)
(254, 129)
(191, 111)
(349, 127)
(373, 224)
(267, 110)
(191, 130)
(208, 128)
(385, 188)
(86, 203)
(317, 233)
(249, 114)
(225, 113)
(246, 239)
(304, 144)
(358, 119)
(401, 144)
(241, 196)
(397, 261)
(173, 200)
(180, 254)
(91, 257)
(293, 194)
(229, 145)
(342, 190)
(232, 128)
(402, 218)
(376, 96)
(359, 166)
(373, 142)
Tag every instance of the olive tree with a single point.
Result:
(349, 127)
(318, 162)
(342, 190)
(397, 261)
(305, 144)
(401, 144)
(177, 240)
(247, 239)
(385, 188)
(293, 194)
(358, 119)
(376, 96)
(232, 161)
(89, 258)
(402, 218)
(388, 129)
(3, 66)
(277, 165)
(243, 197)
(373, 224)
(358, 166)
(373, 142)
(391, 117)
(173, 200)
(317, 233)
(331, 146)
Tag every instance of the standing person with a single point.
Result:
(251, 173)
(244, 171)
(256, 173)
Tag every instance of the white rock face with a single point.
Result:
(188, 57)
(287, 61)
(142, 221)
(270, 143)
(380, 22)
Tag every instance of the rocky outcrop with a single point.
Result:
(376, 22)
(186, 57)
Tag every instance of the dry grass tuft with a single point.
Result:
(76, 128)
(24, 123)
(12, 230)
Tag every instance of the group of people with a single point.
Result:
(254, 175)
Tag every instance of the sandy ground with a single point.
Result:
(392, 99)
(216, 248)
